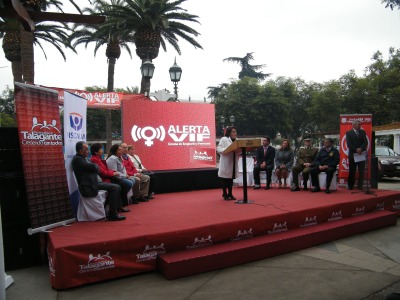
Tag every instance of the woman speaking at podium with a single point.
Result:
(228, 162)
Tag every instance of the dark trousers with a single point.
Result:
(126, 186)
(256, 174)
(352, 173)
(113, 195)
(295, 174)
(227, 184)
(329, 175)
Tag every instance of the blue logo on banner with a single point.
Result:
(76, 121)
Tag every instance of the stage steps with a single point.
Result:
(185, 263)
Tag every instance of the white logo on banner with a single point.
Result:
(186, 135)
(141, 133)
(309, 221)
(336, 215)
(199, 243)
(279, 227)
(150, 253)
(42, 135)
(97, 263)
(245, 234)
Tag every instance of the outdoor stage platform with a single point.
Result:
(185, 233)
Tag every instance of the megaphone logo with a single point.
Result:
(142, 133)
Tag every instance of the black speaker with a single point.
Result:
(20, 249)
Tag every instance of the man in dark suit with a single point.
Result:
(264, 162)
(89, 182)
(357, 142)
(326, 161)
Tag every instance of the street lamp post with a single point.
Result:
(147, 70)
(223, 125)
(232, 119)
(175, 73)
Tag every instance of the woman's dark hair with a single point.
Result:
(114, 149)
(95, 148)
(229, 130)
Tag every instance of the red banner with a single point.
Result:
(41, 143)
(170, 135)
(346, 125)
(104, 100)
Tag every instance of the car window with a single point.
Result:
(381, 151)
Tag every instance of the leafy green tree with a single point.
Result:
(153, 24)
(7, 113)
(248, 69)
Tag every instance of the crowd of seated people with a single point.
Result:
(310, 162)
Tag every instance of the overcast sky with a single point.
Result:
(316, 40)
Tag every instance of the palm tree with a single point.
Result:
(54, 34)
(104, 34)
(247, 69)
(153, 23)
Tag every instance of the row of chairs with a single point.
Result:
(274, 180)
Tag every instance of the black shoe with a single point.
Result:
(267, 187)
(134, 200)
(349, 188)
(116, 217)
(327, 191)
(361, 188)
(225, 197)
(305, 188)
(295, 188)
(149, 197)
(316, 189)
(257, 187)
(230, 197)
(143, 199)
(123, 210)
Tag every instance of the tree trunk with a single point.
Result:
(16, 70)
(27, 56)
(110, 88)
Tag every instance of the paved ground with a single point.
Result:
(365, 266)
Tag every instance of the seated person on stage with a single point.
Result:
(114, 162)
(326, 161)
(87, 175)
(141, 169)
(305, 157)
(144, 180)
(283, 162)
(108, 175)
(264, 162)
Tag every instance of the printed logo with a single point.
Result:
(140, 133)
(35, 124)
(380, 206)
(186, 135)
(150, 253)
(202, 156)
(309, 221)
(279, 227)
(76, 121)
(42, 133)
(359, 211)
(396, 204)
(199, 243)
(336, 216)
(100, 98)
(76, 124)
(97, 263)
(245, 234)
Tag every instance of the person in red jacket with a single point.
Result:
(111, 176)
(131, 171)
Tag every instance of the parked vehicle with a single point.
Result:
(388, 162)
